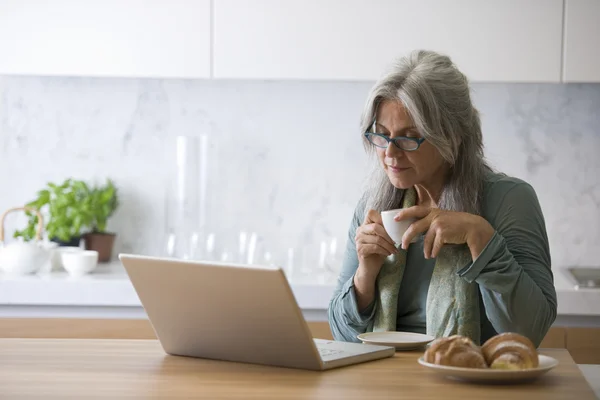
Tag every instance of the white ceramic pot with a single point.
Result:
(21, 258)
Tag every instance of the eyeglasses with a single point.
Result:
(402, 142)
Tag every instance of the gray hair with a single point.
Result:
(437, 97)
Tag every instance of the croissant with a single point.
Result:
(456, 351)
(510, 351)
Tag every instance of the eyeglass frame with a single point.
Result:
(389, 140)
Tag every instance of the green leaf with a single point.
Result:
(67, 183)
(106, 197)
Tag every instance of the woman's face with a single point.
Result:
(424, 166)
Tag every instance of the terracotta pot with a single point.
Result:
(100, 242)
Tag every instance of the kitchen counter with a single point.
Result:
(109, 293)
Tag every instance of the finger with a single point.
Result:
(373, 216)
(378, 240)
(428, 242)
(358, 232)
(372, 249)
(416, 228)
(437, 244)
(412, 212)
(376, 229)
(385, 236)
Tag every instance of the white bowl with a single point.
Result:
(57, 255)
(78, 263)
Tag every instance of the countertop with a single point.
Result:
(109, 287)
(107, 291)
(592, 375)
(139, 369)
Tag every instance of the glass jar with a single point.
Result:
(186, 197)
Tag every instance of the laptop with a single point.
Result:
(234, 312)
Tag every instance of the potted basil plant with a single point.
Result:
(68, 212)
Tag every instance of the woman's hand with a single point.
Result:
(373, 244)
(446, 227)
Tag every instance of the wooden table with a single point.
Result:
(55, 368)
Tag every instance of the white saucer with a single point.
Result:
(493, 375)
(399, 340)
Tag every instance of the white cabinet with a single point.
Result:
(490, 40)
(140, 38)
(582, 41)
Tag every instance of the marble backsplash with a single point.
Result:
(286, 159)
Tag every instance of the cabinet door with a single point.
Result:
(139, 38)
(582, 41)
(491, 40)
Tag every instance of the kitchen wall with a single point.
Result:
(286, 157)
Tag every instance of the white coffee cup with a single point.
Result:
(395, 229)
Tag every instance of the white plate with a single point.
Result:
(493, 375)
(399, 340)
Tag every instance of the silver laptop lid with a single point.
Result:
(223, 311)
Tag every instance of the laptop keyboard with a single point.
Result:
(329, 353)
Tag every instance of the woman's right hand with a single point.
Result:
(373, 245)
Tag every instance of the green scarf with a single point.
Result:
(452, 303)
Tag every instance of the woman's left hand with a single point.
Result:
(445, 227)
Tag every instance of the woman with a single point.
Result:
(479, 261)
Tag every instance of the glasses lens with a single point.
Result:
(377, 140)
(406, 144)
